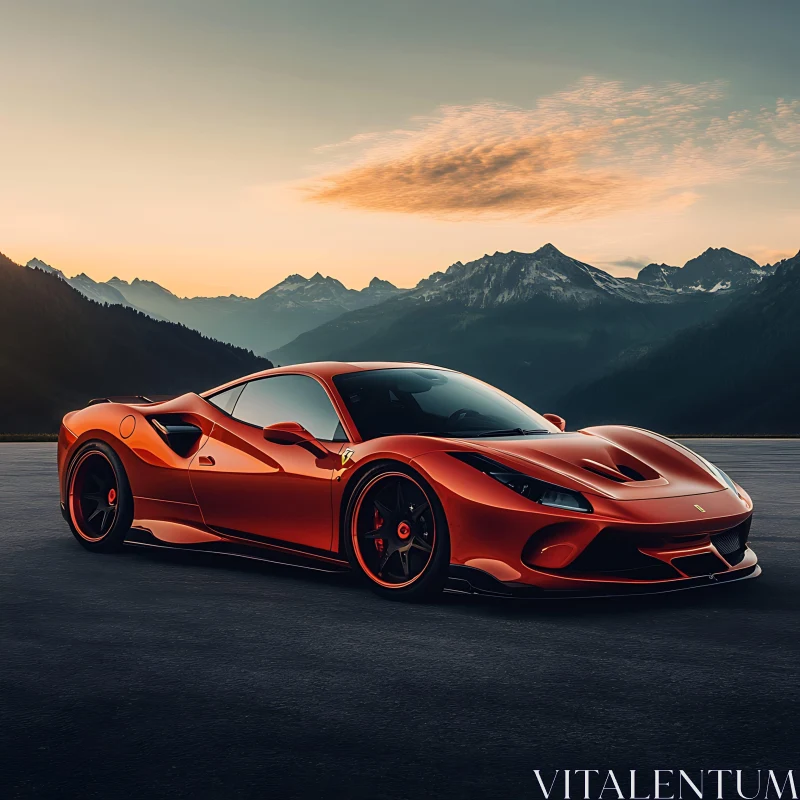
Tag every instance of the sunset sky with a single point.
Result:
(217, 147)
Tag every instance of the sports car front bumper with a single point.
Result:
(470, 580)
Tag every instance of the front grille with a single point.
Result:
(614, 554)
(701, 564)
(732, 543)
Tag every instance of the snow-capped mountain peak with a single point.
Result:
(515, 277)
(714, 270)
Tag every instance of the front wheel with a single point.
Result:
(396, 534)
(99, 499)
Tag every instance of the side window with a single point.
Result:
(290, 398)
(226, 400)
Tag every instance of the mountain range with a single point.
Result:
(297, 305)
(272, 319)
(535, 324)
(58, 350)
(738, 372)
(559, 333)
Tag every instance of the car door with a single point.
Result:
(249, 487)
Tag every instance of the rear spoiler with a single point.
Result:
(133, 399)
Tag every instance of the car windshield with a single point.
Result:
(433, 402)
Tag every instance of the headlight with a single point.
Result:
(563, 498)
(546, 494)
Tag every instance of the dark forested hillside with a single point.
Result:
(738, 374)
(535, 349)
(534, 324)
(58, 350)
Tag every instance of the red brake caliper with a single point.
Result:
(378, 522)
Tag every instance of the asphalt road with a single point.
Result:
(153, 675)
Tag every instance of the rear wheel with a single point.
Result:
(99, 500)
(396, 534)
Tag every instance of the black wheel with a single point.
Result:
(99, 500)
(396, 534)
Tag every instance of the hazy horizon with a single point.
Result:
(217, 148)
(623, 271)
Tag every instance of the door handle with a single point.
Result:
(207, 461)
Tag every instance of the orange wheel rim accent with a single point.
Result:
(77, 497)
(354, 533)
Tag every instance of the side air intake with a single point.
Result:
(180, 435)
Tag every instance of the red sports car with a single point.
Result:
(416, 477)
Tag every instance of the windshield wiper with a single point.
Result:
(507, 432)
(475, 435)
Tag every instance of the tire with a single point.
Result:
(397, 539)
(99, 500)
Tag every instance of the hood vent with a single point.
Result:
(631, 473)
(621, 473)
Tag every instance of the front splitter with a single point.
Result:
(468, 580)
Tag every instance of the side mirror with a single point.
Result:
(293, 433)
(556, 420)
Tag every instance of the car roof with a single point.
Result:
(321, 369)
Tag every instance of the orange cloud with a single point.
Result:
(535, 174)
(593, 150)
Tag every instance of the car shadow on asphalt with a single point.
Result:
(731, 597)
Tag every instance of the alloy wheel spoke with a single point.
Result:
(400, 499)
(388, 553)
(404, 562)
(378, 533)
(419, 510)
(421, 544)
(99, 510)
(383, 510)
